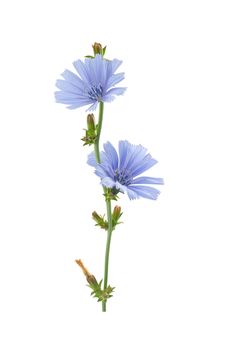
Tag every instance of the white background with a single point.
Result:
(168, 258)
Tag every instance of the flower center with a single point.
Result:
(123, 176)
(95, 93)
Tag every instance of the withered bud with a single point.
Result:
(90, 278)
(97, 48)
(84, 269)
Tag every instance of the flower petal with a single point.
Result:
(111, 155)
(108, 98)
(66, 95)
(146, 164)
(120, 187)
(108, 182)
(115, 79)
(93, 71)
(69, 88)
(115, 63)
(82, 71)
(137, 155)
(75, 104)
(73, 79)
(100, 171)
(92, 160)
(116, 91)
(93, 107)
(131, 194)
(148, 180)
(124, 151)
(145, 191)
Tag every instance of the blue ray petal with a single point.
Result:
(145, 191)
(147, 163)
(115, 79)
(137, 156)
(108, 98)
(116, 91)
(108, 182)
(115, 63)
(124, 151)
(148, 180)
(74, 79)
(131, 194)
(93, 107)
(111, 155)
(75, 104)
(91, 160)
(82, 71)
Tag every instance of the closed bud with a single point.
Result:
(97, 48)
(96, 217)
(100, 220)
(91, 122)
(116, 213)
(116, 216)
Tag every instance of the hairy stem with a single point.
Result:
(99, 127)
(107, 251)
(108, 202)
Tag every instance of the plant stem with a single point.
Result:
(99, 126)
(107, 251)
(108, 202)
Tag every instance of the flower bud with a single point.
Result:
(91, 122)
(97, 48)
(96, 217)
(116, 216)
(116, 213)
(100, 221)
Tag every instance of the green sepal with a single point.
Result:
(111, 194)
(104, 50)
(91, 131)
(101, 294)
(116, 215)
(97, 49)
(100, 221)
(89, 138)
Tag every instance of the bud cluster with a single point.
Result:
(101, 294)
(111, 194)
(97, 292)
(91, 131)
(100, 220)
(97, 50)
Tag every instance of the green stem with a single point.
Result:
(99, 126)
(108, 202)
(107, 252)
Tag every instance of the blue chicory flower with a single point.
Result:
(120, 172)
(95, 83)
